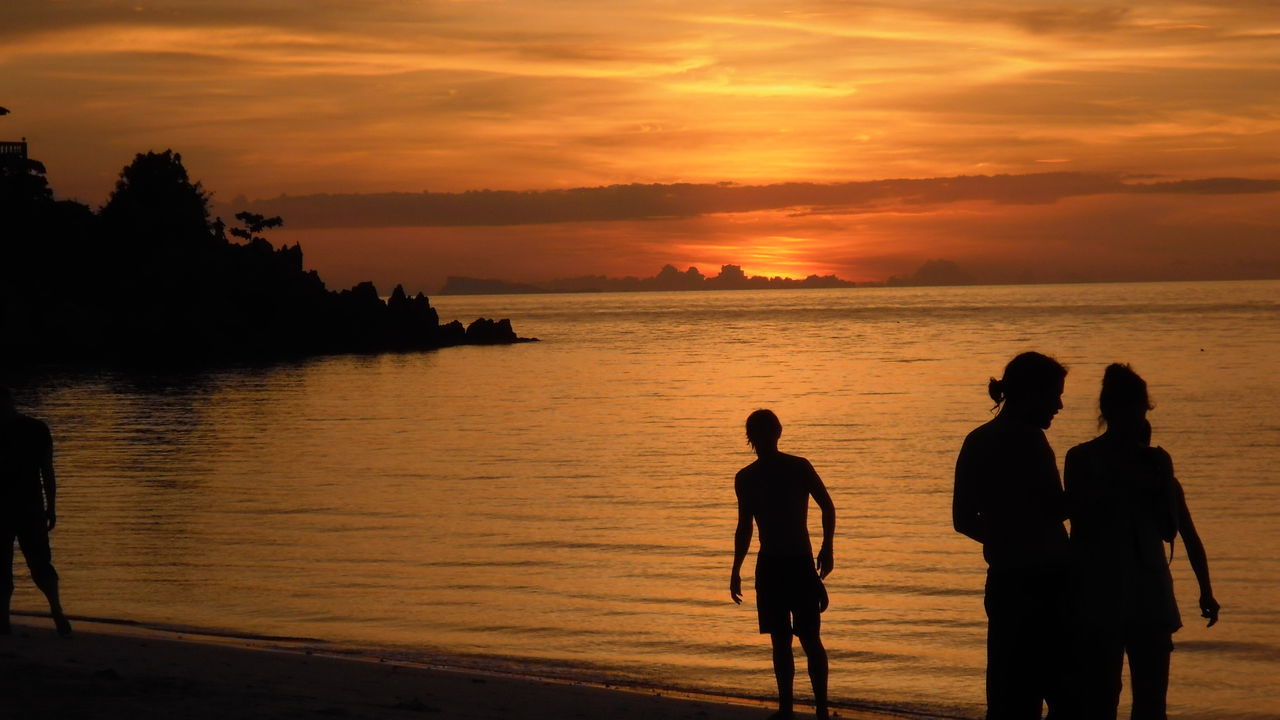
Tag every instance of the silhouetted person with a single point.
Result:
(1125, 504)
(1008, 496)
(774, 492)
(28, 510)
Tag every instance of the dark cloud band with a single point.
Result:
(657, 201)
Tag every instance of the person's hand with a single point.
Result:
(50, 519)
(1209, 609)
(735, 588)
(826, 561)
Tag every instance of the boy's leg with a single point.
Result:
(34, 541)
(784, 668)
(817, 655)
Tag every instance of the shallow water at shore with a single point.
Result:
(567, 506)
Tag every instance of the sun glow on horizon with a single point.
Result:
(790, 257)
(782, 256)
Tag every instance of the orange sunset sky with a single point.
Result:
(1134, 140)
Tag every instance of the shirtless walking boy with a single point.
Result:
(774, 492)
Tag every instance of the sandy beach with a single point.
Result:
(119, 671)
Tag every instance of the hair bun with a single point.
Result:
(995, 388)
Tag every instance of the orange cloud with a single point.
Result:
(293, 97)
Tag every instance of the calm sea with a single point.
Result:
(566, 508)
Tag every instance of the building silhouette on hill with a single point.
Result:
(13, 148)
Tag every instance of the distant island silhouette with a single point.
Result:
(151, 277)
(731, 277)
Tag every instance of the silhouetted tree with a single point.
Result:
(254, 224)
(23, 186)
(150, 277)
(669, 278)
(155, 201)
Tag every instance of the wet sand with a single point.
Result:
(110, 672)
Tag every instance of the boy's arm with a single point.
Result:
(741, 541)
(49, 482)
(826, 555)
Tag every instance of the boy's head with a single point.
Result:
(763, 430)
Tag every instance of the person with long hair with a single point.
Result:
(1008, 496)
(1125, 504)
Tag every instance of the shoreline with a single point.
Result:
(120, 668)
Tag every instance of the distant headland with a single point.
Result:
(150, 277)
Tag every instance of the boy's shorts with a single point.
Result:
(788, 595)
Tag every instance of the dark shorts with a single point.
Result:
(788, 595)
(33, 537)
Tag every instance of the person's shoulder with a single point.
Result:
(1082, 449)
(32, 425)
(1162, 459)
(795, 460)
(795, 466)
(1088, 454)
(988, 432)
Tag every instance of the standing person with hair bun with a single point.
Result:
(1008, 496)
(1125, 504)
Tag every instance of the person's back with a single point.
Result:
(777, 488)
(1125, 503)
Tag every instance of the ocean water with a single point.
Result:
(566, 508)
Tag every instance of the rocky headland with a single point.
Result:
(151, 277)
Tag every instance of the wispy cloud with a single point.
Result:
(300, 97)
